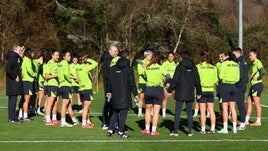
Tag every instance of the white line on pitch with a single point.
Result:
(133, 141)
(264, 105)
(96, 113)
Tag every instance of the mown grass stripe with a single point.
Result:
(132, 141)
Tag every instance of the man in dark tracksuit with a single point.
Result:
(184, 81)
(120, 87)
(241, 86)
(13, 81)
(106, 59)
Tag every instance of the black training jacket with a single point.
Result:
(184, 81)
(13, 69)
(121, 84)
(105, 60)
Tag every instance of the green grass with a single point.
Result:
(35, 135)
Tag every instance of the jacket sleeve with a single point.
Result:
(243, 68)
(105, 73)
(197, 82)
(174, 81)
(261, 70)
(108, 85)
(11, 63)
(131, 82)
(93, 64)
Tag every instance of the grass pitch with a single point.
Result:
(34, 135)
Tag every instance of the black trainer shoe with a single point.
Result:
(110, 133)
(123, 135)
(15, 121)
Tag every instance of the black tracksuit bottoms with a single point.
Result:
(12, 101)
(119, 115)
(241, 102)
(177, 117)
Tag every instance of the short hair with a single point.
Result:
(185, 54)
(125, 53)
(112, 46)
(255, 51)
(14, 47)
(237, 50)
(147, 52)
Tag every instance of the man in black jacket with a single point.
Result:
(106, 59)
(13, 80)
(120, 86)
(184, 81)
(241, 86)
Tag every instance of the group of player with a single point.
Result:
(51, 76)
(228, 78)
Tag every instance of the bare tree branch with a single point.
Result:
(59, 5)
(183, 25)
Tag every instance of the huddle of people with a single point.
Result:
(52, 75)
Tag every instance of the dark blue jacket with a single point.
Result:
(243, 71)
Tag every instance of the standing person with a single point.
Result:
(37, 63)
(170, 66)
(52, 87)
(120, 86)
(185, 79)
(154, 93)
(218, 66)
(65, 89)
(229, 75)
(241, 86)
(75, 86)
(106, 60)
(257, 71)
(142, 78)
(208, 79)
(14, 85)
(85, 88)
(40, 84)
(32, 103)
(47, 56)
(28, 76)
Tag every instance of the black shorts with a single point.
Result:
(255, 90)
(86, 95)
(142, 88)
(52, 91)
(206, 97)
(65, 92)
(154, 95)
(218, 90)
(228, 92)
(35, 86)
(45, 89)
(28, 88)
(75, 89)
